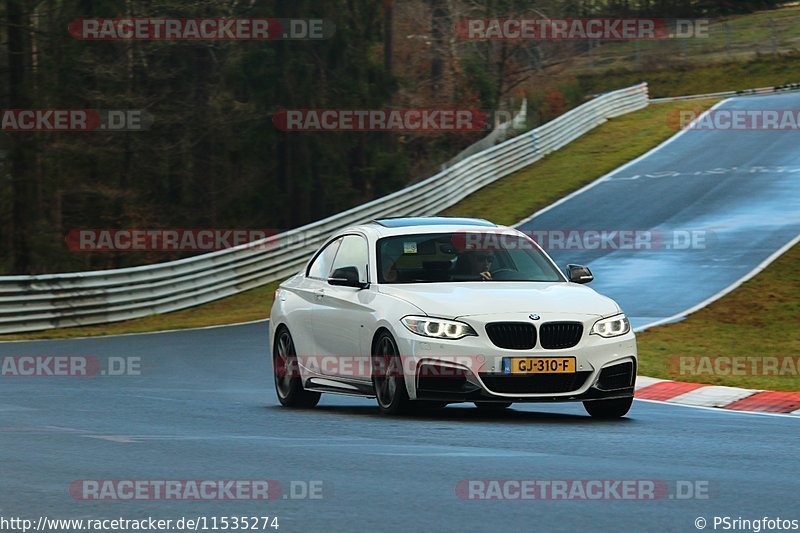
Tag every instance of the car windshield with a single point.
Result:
(462, 256)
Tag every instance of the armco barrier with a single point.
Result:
(791, 87)
(31, 303)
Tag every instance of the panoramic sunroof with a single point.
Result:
(403, 222)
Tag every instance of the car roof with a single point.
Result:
(391, 226)
(406, 222)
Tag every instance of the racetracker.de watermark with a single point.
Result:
(73, 366)
(74, 120)
(582, 489)
(200, 29)
(388, 120)
(197, 490)
(599, 239)
(365, 366)
(579, 29)
(735, 365)
(184, 240)
(734, 119)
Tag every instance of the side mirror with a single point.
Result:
(579, 274)
(346, 277)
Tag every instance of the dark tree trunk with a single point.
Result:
(20, 159)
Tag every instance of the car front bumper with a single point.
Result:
(471, 369)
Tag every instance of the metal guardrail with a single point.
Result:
(499, 134)
(792, 87)
(33, 303)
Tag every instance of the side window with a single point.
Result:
(353, 253)
(321, 266)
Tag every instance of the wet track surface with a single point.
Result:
(204, 408)
(739, 189)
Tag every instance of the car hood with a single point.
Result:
(453, 300)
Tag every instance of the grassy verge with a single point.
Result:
(763, 43)
(681, 81)
(758, 319)
(736, 54)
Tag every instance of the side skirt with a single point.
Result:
(345, 387)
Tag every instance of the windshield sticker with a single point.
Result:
(409, 247)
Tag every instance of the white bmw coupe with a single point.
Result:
(436, 310)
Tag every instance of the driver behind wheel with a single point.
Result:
(475, 263)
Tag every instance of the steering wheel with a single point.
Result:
(509, 273)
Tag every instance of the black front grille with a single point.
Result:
(616, 377)
(560, 335)
(512, 335)
(534, 383)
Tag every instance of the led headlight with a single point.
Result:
(438, 328)
(611, 327)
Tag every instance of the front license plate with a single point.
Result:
(539, 365)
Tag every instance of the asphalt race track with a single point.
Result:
(204, 408)
(739, 191)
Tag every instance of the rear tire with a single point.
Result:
(609, 409)
(492, 406)
(286, 372)
(387, 376)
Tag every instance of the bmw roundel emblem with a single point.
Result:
(534, 316)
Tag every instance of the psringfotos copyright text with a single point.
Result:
(729, 523)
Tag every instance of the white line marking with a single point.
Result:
(618, 169)
(9, 407)
(113, 438)
(730, 288)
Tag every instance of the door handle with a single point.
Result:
(319, 294)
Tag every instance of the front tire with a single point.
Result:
(609, 409)
(387, 376)
(286, 372)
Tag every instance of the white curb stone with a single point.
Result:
(713, 396)
(644, 381)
